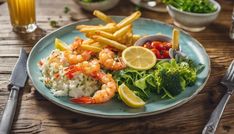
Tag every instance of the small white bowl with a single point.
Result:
(102, 5)
(157, 37)
(193, 22)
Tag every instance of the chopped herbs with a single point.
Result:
(90, 1)
(137, 8)
(66, 9)
(195, 6)
(53, 23)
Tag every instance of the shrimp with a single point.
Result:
(54, 59)
(107, 91)
(88, 68)
(74, 58)
(76, 45)
(76, 54)
(106, 58)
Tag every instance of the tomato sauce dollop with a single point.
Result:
(159, 48)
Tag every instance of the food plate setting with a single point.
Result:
(94, 72)
(123, 66)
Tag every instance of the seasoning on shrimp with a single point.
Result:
(108, 60)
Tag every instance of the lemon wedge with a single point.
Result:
(139, 58)
(59, 44)
(129, 98)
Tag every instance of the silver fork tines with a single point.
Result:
(232, 72)
(228, 81)
(229, 75)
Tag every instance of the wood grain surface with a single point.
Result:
(35, 114)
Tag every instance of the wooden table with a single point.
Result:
(35, 114)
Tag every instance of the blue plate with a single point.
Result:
(115, 108)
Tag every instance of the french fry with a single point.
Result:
(135, 37)
(108, 28)
(103, 34)
(78, 27)
(118, 36)
(122, 31)
(91, 48)
(175, 39)
(129, 40)
(112, 25)
(128, 20)
(102, 16)
(97, 44)
(92, 43)
(88, 42)
(109, 42)
(121, 39)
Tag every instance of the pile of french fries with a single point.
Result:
(116, 35)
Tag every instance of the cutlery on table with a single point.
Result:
(17, 81)
(228, 81)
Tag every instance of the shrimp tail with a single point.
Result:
(83, 100)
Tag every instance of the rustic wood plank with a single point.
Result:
(72, 121)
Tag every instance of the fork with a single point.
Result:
(228, 81)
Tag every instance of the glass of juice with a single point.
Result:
(22, 14)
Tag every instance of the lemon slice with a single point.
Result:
(139, 58)
(59, 44)
(129, 98)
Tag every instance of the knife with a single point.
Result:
(17, 81)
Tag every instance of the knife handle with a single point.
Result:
(9, 111)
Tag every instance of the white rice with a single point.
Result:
(79, 85)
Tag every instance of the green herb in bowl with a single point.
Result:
(194, 6)
(102, 5)
(90, 1)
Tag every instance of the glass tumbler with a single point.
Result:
(22, 15)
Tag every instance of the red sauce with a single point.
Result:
(160, 48)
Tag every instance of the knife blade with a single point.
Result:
(17, 81)
(19, 73)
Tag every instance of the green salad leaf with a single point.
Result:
(167, 78)
(129, 76)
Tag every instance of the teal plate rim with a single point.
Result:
(133, 115)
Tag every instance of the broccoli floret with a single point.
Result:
(174, 77)
(172, 81)
(188, 73)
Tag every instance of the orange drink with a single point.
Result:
(22, 14)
